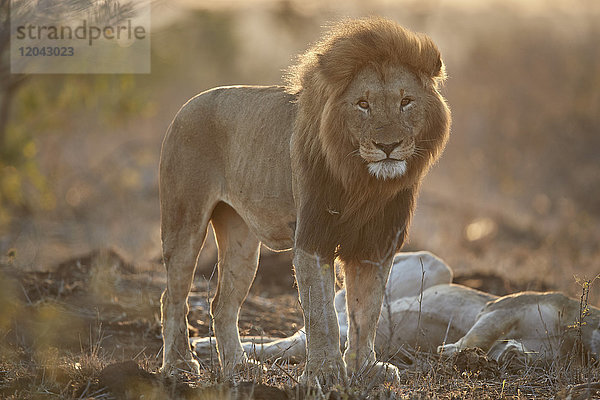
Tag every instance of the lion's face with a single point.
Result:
(385, 114)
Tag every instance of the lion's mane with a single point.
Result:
(371, 215)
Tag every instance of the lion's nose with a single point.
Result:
(387, 148)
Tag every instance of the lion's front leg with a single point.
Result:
(316, 279)
(365, 287)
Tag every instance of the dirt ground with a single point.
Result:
(89, 327)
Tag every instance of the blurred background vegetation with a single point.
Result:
(517, 191)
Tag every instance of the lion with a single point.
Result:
(328, 166)
(532, 326)
(424, 310)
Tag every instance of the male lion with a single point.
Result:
(330, 166)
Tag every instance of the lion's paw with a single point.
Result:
(188, 365)
(324, 374)
(449, 349)
(510, 352)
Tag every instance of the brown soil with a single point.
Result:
(90, 328)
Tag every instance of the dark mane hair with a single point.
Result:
(350, 210)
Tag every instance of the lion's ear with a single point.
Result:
(438, 72)
(321, 60)
(337, 75)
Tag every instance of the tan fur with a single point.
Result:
(411, 273)
(304, 167)
(534, 327)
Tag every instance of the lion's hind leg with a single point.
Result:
(289, 348)
(238, 261)
(510, 351)
(183, 233)
(261, 348)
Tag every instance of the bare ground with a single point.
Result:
(90, 328)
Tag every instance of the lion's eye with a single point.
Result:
(363, 104)
(405, 101)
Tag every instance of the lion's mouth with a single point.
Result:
(387, 168)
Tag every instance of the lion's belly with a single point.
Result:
(272, 221)
(278, 239)
(265, 202)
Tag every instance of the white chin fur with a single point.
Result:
(387, 169)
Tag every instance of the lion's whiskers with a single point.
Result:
(355, 152)
(420, 152)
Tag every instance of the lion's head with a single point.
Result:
(369, 102)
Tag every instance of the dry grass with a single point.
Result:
(63, 341)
